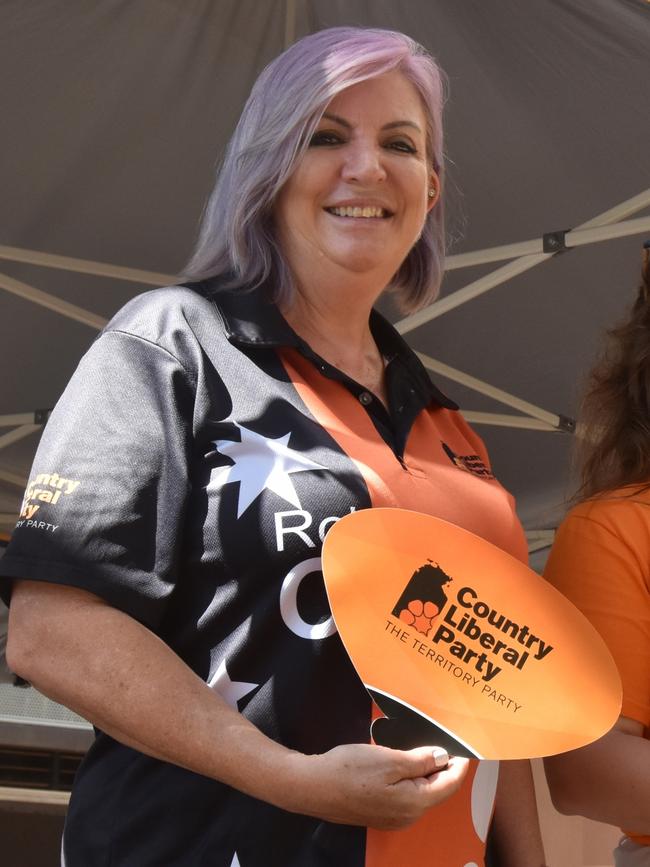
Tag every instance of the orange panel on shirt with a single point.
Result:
(427, 480)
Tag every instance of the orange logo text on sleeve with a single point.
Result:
(44, 489)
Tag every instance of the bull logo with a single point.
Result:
(423, 597)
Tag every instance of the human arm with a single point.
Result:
(515, 836)
(608, 781)
(600, 561)
(114, 671)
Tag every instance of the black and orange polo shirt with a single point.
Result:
(188, 476)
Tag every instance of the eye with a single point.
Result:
(402, 146)
(325, 138)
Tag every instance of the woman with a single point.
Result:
(206, 443)
(601, 561)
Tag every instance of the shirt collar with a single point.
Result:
(392, 345)
(251, 318)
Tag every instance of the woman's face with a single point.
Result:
(358, 198)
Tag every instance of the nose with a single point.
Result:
(363, 163)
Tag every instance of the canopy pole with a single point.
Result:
(86, 266)
(573, 238)
(13, 479)
(37, 296)
(552, 420)
(539, 539)
(512, 269)
(39, 417)
(18, 433)
(519, 422)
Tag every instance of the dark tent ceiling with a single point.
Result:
(115, 114)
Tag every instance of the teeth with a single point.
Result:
(367, 211)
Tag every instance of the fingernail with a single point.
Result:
(440, 757)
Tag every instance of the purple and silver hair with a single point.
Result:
(282, 112)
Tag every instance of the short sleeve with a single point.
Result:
(103, 509)
(600, 562)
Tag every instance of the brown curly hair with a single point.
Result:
(613, 448)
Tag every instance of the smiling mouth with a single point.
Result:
(367, 212)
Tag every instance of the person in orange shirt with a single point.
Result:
(601, 561)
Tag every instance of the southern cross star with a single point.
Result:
(260, 463)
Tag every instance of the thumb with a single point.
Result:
(426, 760)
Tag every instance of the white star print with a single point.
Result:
(230, 690)
(235, 861)
(260, 462)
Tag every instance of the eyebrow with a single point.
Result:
(392, 125)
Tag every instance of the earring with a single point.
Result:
(432, 192)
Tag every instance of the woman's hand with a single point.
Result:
(363, 784)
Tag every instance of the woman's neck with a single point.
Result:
(337, 328)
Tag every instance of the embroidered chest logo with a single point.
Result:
(471, 463)
(260, 463)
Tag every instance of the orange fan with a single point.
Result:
(460, 644)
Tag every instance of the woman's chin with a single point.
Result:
(368, 261)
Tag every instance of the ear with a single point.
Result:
(433, 190)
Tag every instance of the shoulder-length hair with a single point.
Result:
(286, 103)
(613, 450)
